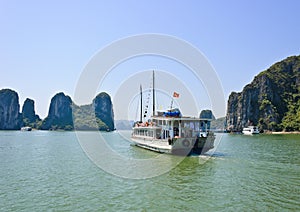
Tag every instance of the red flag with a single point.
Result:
(176, 95)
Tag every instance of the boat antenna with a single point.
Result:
(141, 93)
(153, 95)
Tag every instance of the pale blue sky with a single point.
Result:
(44, 45)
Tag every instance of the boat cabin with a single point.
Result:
(160, 127)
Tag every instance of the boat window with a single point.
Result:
(176, 124)
(188, 125)
(192, 125)
(185, 125)
(167, 134)
(176, 131)
(158, 134)
(197, 125)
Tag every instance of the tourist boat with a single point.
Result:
(250, 130)
(170, 132)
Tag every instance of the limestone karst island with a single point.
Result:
(271, 102)
(63, 113)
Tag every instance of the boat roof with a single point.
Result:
(147, 127)
(183, 118)
(250, 127)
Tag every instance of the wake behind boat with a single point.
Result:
(170, 132)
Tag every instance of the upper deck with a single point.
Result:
(183, 118)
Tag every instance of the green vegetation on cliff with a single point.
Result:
(285, 76)
(291, 120)
(96, 116)
(85, 119)
(66, 115)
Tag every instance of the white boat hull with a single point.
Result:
(154, 145)
(179, 146)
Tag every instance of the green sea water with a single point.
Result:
(49, 171)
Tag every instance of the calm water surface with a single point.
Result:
(43, 170)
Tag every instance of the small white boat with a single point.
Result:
(250, 130)
(26, 128)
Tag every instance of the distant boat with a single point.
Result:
(26, 128)
(170, 132)
(250, 130)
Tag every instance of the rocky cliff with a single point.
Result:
(96, 116)
(207, 114)
(60, 114)
(104, 110)
(10, 118)
(271, 100)
(28, 114)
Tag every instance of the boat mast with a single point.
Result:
(172, 103)
(153, 95)
(141, 93)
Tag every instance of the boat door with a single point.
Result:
(166, 134)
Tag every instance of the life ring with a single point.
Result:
(186, 143)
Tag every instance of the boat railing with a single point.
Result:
(145, 124)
